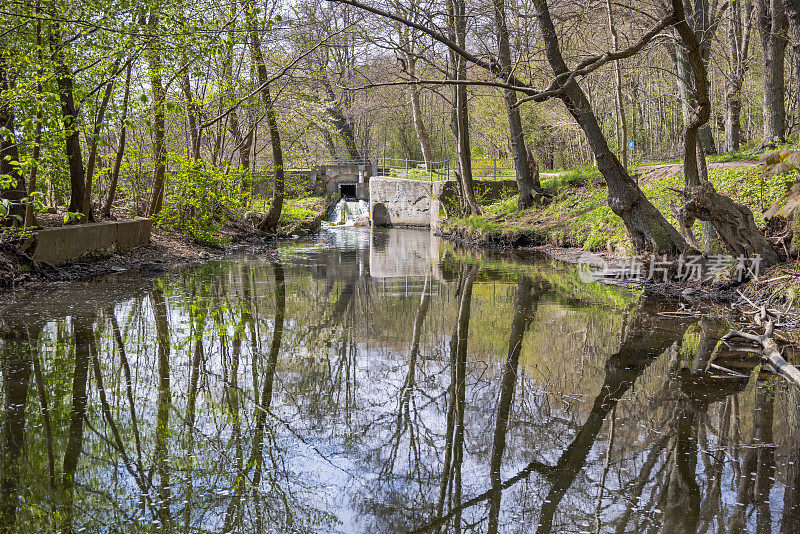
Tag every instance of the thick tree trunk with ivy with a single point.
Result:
(527, 184)
(647, 227)
(343, 126)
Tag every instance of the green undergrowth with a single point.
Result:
(578, 214)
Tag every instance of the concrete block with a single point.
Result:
(69, 243)
(400, 202)
(362, 191)
(133, 232)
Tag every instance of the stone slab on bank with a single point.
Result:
(69, 243)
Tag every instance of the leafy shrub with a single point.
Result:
(199, 197)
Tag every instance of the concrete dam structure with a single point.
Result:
(402, 202)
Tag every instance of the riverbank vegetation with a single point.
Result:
(577, 215)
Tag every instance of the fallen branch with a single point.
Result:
(769, 347)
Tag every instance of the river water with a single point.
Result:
(365, 381)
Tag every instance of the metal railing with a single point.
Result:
(413, 168)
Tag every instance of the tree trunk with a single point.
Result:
(688, 100)
(340, 122)
(270, 222)
(30, 218)
(771, 23)
(733, 222)
(86, 209)
(739, 24)
(69, 113)
(123, 135)
(159, 124)
(458, 29)
(192, 114)
(733, 110)
(622, 125)
(647, 227)
(416, 111)
(527, 184)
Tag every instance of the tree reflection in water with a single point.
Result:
(292, 391)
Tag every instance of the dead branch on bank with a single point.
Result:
(770, 352)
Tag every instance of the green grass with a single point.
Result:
(294, 209)
(578, 215)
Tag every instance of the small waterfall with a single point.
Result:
(349, 212)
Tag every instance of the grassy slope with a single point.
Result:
(579, 216)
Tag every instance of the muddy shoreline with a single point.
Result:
(165, 252)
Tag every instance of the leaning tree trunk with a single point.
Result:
(123, 137)
(86, 210)
(527, 184)
(340, 122)
(423, 136)
(647, 227)
(733, 222)
(771, 22)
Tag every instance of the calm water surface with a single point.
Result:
(382, 382)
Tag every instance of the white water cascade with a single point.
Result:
(348, 212)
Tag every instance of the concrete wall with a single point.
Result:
(68, 243)
(400, 202)
(403, 202)
(330, 176)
